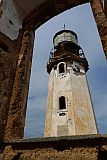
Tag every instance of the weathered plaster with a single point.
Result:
(79, 116)
(11, 19)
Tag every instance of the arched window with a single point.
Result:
(62, 103)
(61, 68)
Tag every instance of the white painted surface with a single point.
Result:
(11, 19)
(13, 13)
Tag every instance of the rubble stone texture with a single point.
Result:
(67, 148)
(101, 21)
(17, 110)
(7, 72)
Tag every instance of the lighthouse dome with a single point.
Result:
(65, 36)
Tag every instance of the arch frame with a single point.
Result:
(64, 68)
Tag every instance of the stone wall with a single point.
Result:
(101, 21)
(17, 110)
(8, 54)
(15, 66)
(66, 148)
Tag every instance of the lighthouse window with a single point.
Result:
(61, 68)
(62, 103)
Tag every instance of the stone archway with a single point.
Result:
(20, 52)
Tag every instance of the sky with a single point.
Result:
(80, 20)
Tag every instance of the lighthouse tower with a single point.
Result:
(69, 108)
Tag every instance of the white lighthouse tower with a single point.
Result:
(69, 109)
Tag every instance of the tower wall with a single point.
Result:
(82, 105)
(79, 117)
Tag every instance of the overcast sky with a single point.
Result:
(81, 21)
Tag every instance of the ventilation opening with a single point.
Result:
(61, 68)
(62, 103)
(61, 114)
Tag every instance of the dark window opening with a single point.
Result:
(76, 69)
(55, 67)
(4, 47)
(61, 114)
(61, 68)
(62, 103)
